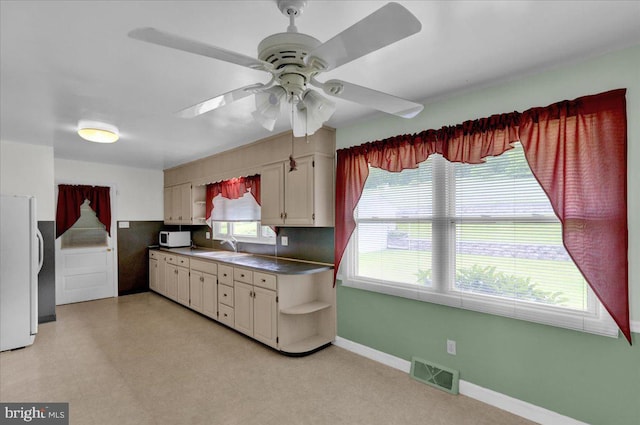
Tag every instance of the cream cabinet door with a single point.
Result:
(153, 274)
(183, 285)
(171, 280)
(243, 307)
(196, 281)
(168, 205)
(272, 194)
(162, 273)
(265, 313)
(210, 295)
(186, 204)
(299, 193)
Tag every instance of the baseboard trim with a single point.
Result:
(635, 326)
(46, 319)
(513, 405)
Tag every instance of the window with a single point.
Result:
(476, 236)
(239, 218)
(86, 232)
(244, 231)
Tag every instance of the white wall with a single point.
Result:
(27, 169)
(615, 70)
(139, 191)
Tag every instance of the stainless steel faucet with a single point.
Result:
(233, 243)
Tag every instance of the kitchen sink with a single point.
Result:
(219, 254)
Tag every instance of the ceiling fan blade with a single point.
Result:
(383, 27)
(372, 98)
(218, 101)
(152, 35)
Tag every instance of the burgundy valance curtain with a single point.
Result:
(233, 189)
(71, 197)
(576, 150)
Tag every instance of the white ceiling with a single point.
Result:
(62, 61)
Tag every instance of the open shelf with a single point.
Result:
(306, 345)
(306, 308)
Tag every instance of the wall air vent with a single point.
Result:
(435, 375)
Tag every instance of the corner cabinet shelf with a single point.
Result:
(307, 312)
(198, 209)
(307, 308)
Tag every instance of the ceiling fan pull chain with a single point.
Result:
(292, 162)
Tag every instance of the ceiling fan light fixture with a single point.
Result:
(98, 132)
(319, 108)
(268, 106)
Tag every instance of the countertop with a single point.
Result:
(257, 262)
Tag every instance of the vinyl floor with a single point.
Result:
(142, 359)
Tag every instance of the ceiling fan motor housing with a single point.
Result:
(287, 52)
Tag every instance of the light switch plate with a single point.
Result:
(284, 240)
(207, 235)
(123, 225)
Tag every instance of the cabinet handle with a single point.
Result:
(225, 315)
(285, 215)
(224, 295)
(241, 275)
(281, 215)
(264, 280)
(201, 279)
(224, 274)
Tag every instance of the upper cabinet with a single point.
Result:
(184, 204)
(303, 197)
(299, 197)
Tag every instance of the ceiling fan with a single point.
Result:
(295, 59)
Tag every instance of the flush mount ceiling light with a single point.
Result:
(97, 132)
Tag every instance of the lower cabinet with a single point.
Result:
(153, 274)
(203, 291)
(177, 278)
(256, 312)
(225, 295)
(295, 314)
(157, 267)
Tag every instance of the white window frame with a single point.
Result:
(594, 320)
(260, 239)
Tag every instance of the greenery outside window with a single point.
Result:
(477, 236)
(244, 231)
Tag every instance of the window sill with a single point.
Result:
(599, 323)
(248, 240)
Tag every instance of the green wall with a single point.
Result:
(591, 378)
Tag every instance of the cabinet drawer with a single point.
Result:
(243, 275)
(178, 260)
(204, 266)
(154, 254)
(226, 315)
(267, 281)
(225, 295)
(225, 274)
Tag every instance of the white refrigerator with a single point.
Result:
(21, 252)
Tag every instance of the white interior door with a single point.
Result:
(85, 260)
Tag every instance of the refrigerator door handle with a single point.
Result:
(40, 249)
